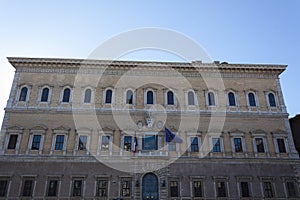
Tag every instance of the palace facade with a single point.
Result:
(95, 129)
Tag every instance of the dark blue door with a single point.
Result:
(150, 187)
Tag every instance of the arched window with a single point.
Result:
(87, 96)
(251, 98)
(66, 95)
(211, 99)
(272, 101)
(45, 95)
(170, 98)
(23, 94)
(150, 97)
(231, 99)
(129, 97)
(191, 98)
(108, 96)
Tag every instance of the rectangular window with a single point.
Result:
(197, 188)
(174, 189)
(59, 144)
(105, 143)
(194, 144)
(281, 146)
(268, 191)
(245, 192)
(52, 188)
(36, 141)
(126, 188)
(82, 143)
(12, 142)
(238, 145)
(27, 188)
(172, 146)
(102, 188)
(216, 144)
(77, 188)
(150, 142)
(3, 188)
(260, 145)
(127, 143)
(221, 189)
(291, 189)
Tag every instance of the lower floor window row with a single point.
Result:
(127, 184)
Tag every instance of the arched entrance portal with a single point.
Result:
(150, 187)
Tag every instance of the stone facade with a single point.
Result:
(95, 129)
(295, 126)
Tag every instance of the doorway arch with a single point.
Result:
(150, 187)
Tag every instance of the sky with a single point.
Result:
(257, 31)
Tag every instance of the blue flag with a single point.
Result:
(171, 137)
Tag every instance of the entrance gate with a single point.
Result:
(150, 187)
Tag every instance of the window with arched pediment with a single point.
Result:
(45, 94)
(271, 99)
(66, 95)
(23, 93)
(251, 99)
(191, 98)
(150, 97)
(129, 97)
(170, 98)
(231, 99)
(88, 95)
(211, 99)
(108, 96)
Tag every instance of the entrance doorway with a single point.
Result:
(150, 187)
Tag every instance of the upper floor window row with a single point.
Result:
(149, 97)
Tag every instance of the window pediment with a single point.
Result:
(61, 129)
(15, 128)
(84, 130)
(258, 132)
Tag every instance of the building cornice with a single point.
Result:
(75, 64)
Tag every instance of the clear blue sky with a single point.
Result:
(238, 31)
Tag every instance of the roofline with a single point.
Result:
(20, 61)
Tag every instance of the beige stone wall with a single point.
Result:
(239, 119)
(233, 123)
(239, 85)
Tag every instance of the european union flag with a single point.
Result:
(171, 137)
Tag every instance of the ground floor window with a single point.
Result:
(77, 187)
(52, 188)
(126, 188)
(245, 192)
(3, 187)
(174, 189)
(268, 190)
(221, 189)
(102, 188)
(291, 189)
(27, 188)
(197, 188)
